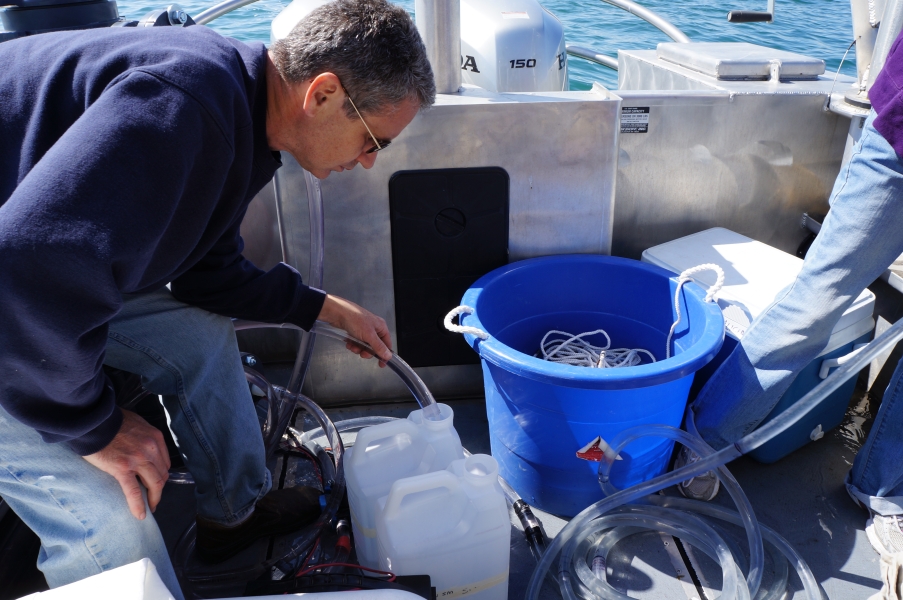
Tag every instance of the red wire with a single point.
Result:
(306, 560)
(304, 571)
(310, 455)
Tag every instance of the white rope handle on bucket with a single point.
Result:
(463, 310)
(709, 297)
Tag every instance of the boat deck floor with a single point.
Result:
(801, 496)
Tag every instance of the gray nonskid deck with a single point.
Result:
(802, 497)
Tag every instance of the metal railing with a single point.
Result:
(592, 56)
(219, 10)
(653, 18)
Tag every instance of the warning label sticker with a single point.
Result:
(634, 119)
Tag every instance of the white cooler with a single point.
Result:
(754, 274)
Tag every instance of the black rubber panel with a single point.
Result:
(449, 227)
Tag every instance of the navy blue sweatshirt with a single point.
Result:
(127, 161)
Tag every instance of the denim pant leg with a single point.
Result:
(190, 357)
(860, 238)
(876, 478)
(78, 511)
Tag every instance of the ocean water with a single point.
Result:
(817, 28)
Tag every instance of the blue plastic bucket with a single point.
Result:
(540, 413)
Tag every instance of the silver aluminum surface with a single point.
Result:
(746, 155)
(890, 27)
(866, 35)
(739, 60)
(439, 22)
(560, 152)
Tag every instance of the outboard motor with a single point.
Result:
(512, 46)
(506, 45)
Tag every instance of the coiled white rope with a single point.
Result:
(572, 349)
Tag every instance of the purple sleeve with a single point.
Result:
(887, 98)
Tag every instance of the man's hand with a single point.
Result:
(361, 324)
(138, 452)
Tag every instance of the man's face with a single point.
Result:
(330, 140)
(351, 142)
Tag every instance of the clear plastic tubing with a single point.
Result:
(676, 523)
(346, 426)
(745, 510)
(575, 531)
(314, 275)
(404, 371)
(312, 532)
(307, 536)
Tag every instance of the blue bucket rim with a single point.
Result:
(530, 367)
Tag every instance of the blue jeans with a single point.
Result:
(861, 236)
(190, 358)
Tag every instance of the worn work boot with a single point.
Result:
(280, 511)
(702, 487)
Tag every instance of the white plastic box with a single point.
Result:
(754, 275)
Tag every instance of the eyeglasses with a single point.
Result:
(380, 144)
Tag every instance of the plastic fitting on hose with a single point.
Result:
(536, 538)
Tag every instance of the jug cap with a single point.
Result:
(446, 414)
(481, 469)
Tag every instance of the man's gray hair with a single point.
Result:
(373, 48)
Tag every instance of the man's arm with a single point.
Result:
(226, 283)
(87, 222)
(361, 324)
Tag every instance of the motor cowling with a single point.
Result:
(506, 45)
(512, 46)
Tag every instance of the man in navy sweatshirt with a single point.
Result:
(127, 162)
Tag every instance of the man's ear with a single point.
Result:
(325, 92)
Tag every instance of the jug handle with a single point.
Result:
(411, 485)
(377, 432)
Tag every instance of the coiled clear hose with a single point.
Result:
(575, 532)
(199, 579)
(404, 371)
(277, 396)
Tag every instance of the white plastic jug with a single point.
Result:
(385, 453)
(452, 525)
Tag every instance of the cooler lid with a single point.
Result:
(754, 274)
(739, 60)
